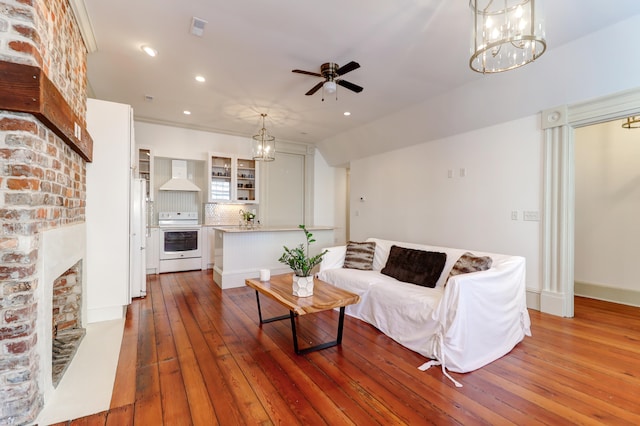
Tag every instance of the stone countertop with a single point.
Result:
(237, 229)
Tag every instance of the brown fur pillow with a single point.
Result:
(359, 255)
(415, 266)
(469, 262)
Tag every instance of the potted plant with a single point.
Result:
(302, 265)
(247, 218)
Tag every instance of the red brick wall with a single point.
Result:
(44, 33)
(67, 294)
(42, 186)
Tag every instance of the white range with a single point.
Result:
(180, 241)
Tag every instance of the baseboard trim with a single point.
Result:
(553, 303)
(608, 294)
(106, 314)
(234, 279)
(533, 300)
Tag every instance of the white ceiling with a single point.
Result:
(409, 51)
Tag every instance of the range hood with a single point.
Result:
(179, 181)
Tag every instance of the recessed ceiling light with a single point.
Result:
(185, 112)
(149, 51)
(200, 79)
(347, 113)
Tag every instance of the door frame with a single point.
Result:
(558, 204)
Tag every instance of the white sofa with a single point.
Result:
(475, 319)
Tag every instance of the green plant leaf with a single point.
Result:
(298, 258)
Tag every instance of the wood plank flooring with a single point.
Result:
(194, 355)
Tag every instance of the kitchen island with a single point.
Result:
(240, 253)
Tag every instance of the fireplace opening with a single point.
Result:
(67, 330)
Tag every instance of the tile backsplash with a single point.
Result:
(225, 214)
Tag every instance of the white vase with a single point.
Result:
(302, 286)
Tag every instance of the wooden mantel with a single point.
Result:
(26, 88)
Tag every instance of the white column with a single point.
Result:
(558, 223)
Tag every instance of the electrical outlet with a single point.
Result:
(532, 216)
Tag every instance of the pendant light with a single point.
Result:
(264, 145)
(632, 123)
(507, 34)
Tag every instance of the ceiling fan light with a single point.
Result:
(329, 86)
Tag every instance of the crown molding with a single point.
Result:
(79, 9)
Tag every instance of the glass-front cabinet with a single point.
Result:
(232, 179)
(246, 180)
(220, 168)
(145, 169)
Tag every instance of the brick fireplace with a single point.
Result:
(66, 325)
(44, 148)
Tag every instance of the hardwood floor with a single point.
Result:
(192, 354)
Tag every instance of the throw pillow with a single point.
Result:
(469, 262)
(359, 255)
(415, 266)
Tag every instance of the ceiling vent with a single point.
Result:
(197, 26)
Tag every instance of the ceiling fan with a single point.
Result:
(331, 72)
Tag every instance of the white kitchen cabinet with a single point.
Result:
(208, 247)
(109, 238)
(232, 179)
(246, 180)
(220, 172)
(144, 168)
(153, 250)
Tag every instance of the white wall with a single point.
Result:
(409, 196)
(178, 142)
(331, 197)
(607, 205)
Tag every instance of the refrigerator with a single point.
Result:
(138, 239)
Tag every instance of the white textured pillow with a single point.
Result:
(359, 255)
(469, 262)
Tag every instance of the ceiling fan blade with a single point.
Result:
(350, 86)
(315, 74)
(347, 68)
(314, 89)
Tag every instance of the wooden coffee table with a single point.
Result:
(325, 297)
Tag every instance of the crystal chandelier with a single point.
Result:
(264, 145)
(507, 34)
(632, 123)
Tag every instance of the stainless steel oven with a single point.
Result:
(180, 241)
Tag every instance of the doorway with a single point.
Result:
(607, 205)
(558, 226)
